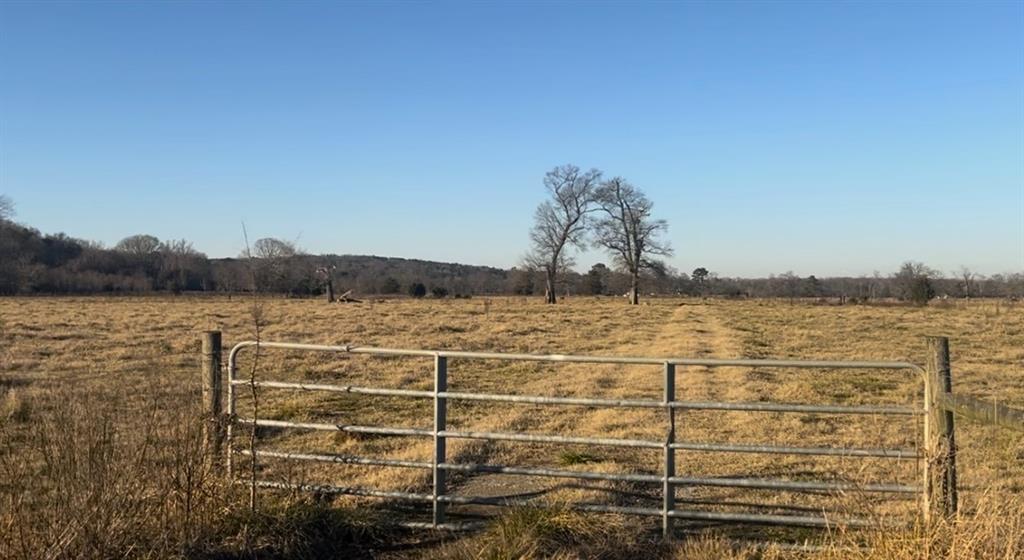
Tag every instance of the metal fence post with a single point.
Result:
(229, 417)
(942, 457)
(212, 385)
(440, 424)
(668, 489)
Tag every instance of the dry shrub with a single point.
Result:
(95, 475)
(81, 483)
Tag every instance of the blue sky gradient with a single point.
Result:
(824, 138)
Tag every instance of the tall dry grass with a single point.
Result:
(79, 483)
(993, 531)
(101, 438)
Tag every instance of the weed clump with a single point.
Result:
(15, 407)
(569, 458)
(532, 532)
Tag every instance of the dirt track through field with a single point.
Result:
(692, 330)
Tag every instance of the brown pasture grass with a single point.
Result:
(100, 427)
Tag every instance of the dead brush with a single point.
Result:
(87, 482)
(83, 483)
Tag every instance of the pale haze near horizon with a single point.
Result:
(823, 139)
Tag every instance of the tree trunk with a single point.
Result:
(330, 290)
(549, 287)
(634, 290)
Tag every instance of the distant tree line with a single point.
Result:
(35, 263)
(31, 262)
(913, 282)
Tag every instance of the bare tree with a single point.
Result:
(229, 276)
(561, 222)
(700, 277)
(138, 245)
(141, 254)
(628, 232)
(269, 258)
(179, 260)
(272, 248)
(6, 208)
(875, 284)
(181, 247)
(597, 279)
(790, 285)
(326, 273)
(259, 321)
(914, 282)
(967, 279)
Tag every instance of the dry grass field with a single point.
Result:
(101, 454)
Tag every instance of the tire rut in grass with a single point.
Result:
(688, 331)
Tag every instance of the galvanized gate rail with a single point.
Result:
(439, 465)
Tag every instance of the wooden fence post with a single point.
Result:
(942, 489)
(668, 489)
(440, 425)
(212, 385)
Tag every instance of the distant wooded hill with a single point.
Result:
(32, 262)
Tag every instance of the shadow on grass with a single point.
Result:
(296, 531)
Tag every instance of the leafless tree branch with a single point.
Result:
(561, 222)
(627, 231)
(6, 208)
(258, 322)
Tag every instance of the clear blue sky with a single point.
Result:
(826, 138)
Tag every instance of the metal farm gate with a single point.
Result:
(936, 490)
